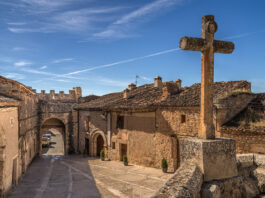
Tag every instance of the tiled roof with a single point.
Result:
(148, 96)
(88, 98)
(190, 96)
(252, 117)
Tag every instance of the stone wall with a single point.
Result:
(91, 124)
(10, 170)
(229, 106)
(150, 136)
(168, 120)
(247, 140)
(27, 118)
(73, 94)
(186, 182)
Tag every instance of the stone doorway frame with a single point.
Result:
(93, 147)
(63, 132)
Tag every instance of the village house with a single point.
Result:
(24, 116)
(9, 152)
(146, 122)
(18, 131)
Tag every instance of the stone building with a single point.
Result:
(24, 116)
(21, 121)
(9, 152)
(145, 123)
(248, 126)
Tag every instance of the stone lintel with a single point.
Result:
(216, 158)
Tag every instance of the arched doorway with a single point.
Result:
(52, 137)
(100, 144)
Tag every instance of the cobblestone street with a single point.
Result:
(77, 177)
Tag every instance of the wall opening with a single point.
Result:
(87, 145)
(123, 151)
(100, 144)
(52, 137)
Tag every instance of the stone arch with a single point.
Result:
(51, 123)
(96, 138)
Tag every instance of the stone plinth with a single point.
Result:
(216, 158)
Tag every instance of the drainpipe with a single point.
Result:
(78, 131)
(108, 129)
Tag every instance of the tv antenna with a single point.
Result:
(136, 79)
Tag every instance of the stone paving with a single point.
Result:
(76, 177)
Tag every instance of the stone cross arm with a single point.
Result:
(199, 44)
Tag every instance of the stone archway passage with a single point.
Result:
(100, 144)
(54, 129)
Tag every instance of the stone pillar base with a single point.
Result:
(216, 158)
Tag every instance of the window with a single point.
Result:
(120, 122)
(182, 118)
(113, 145)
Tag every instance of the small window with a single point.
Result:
(120, 122)
(113, 145)
(182, 118)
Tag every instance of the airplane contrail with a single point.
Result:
(123, 61)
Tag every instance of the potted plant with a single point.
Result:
(85, 153)
(164, 165)
(125, 160)
(102, 155)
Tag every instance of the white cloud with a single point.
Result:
(147, 9)
(123, 61)
(145, 78)
(33, 71)
(44, 67)
(111, 82)
(15, 76)
(18, 48)
(17, 23)
(62, 60)
(119, 28)
(22, 63)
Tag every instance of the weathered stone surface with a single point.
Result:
(186, 182)
(211, 155)
(259, 175)
(250, 188)
(234, 187)
(245, 160)
(259, 160)
(211, 191)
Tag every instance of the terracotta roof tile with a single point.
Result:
(148, 96)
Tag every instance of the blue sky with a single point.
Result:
(101, 45)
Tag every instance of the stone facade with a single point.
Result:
(32, 114)
(148, 134)
(10, 170)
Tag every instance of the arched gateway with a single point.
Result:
(52, 129)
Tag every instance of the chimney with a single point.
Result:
(131, 86)
(158, 82)
(126, 93)
(170, 88)
(178, 81)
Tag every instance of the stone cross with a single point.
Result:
(208, 46)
